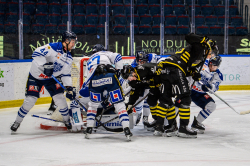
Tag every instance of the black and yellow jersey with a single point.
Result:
(196, 51)
(145, 79)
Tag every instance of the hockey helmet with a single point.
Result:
(126, 71)
(97, 48)
(68, 35)
(141, 56)
(215, 61)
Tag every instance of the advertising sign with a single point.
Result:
(237, 45)
(6, 82)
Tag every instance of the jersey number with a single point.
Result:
(96, 58)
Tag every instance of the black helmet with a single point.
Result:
(97, 48)
(126, 71)
(141, 56)
(68, 35)
(215, 61)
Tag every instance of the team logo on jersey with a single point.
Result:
(33, 88)
(116, 96)
(95, 97)
(58, 86)
(57, 66)
(75, 116)
(101, 82)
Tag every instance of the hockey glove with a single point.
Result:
(48, 69)
(71, 93)
(196, 76)
(206, 88)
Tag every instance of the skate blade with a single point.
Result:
(86, 136)
(199, 131)
(128, 138)
(183, 135)
(172, 134)
(151, 129)
(157, 133)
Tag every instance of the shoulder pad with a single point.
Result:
(56, 46)
(220, 74)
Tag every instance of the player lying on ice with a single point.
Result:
(102, 81)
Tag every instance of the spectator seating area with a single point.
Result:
(89, 16)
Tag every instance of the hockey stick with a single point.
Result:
(102, 124)
(36, 116)
(84, 113)
(241, 113)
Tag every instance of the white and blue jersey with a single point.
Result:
(212, 78)
(152, 58)
(102, 57)
(52, 52)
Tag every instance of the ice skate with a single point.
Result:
(138, 119)
(151, 126)
(170, 130)
(158, 130)
(145, 121)
(185, 132)
(68, 125)
(198, 127)
(87, 132)
(15, 126)
(128, 134)
(52, 109)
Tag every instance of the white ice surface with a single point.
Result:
(226, 141)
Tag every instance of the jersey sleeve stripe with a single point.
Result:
(66, 75)
(37, 54)
(118, 58)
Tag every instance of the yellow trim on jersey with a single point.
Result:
(161, 115)
(187, 53)
(175, 65)
(171, 109)
(203, 39)
(184, 113)
(181, 117)
(161, 108)
(138, 77)
(183, 59)
(185, 56)
(171, 117)
(170, 113)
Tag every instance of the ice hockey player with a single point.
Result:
(173, 72)
(148, 58)
(139, 78)
(140, 59)
(211, 77)
(50, 59)
(103, 82)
